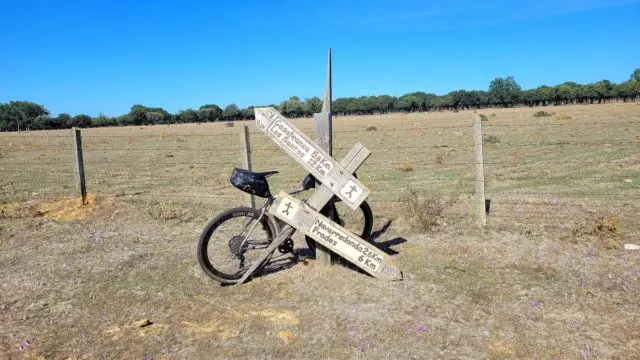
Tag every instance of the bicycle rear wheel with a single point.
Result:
(232, 242)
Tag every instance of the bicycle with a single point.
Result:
(244, 240)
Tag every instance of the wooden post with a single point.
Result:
(324, 137)
(77, 151)
(481, 216)
(245, 145)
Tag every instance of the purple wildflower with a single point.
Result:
(420, 328)
(405, 328)
(24, 345)
(534, 302)
(148, 357)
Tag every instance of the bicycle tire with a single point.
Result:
(204, 241)
(367, 227)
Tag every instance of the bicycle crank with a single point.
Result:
(286, 247)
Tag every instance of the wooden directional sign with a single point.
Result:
(311, 156)
(336, 238)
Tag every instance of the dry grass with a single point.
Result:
(74, 286)
(424, 211)
(542, 113)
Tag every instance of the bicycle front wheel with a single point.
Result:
(232, 242)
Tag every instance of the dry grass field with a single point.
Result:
(548, 278)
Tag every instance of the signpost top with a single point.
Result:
(311, 156)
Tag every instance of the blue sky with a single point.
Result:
(104, 56)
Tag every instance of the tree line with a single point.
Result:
(502, 92)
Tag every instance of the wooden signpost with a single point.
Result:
(333, 236)
(336, 179)
(311, 156)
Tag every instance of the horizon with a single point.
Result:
(180, 58)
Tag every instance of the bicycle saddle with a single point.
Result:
(252, 182)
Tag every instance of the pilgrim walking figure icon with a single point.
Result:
(286, 211)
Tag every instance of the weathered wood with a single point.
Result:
(323, 131)
(324, 138)
(328, 90)
(245, 146)
(320, 197)
(313, 158)
(333, 236)
(79, 164)
(481, 215)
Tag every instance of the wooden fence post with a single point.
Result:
(77, 151)
(481, 215)
(245, 145)
(324, 138)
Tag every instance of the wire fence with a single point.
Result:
(563, 169)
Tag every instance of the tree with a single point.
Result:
(504, 91)
(18, 115)
(231, 112)
(636, 75)
(189, 116)
(80, 121)
(292, 108)
(210, 113)
(312, 105)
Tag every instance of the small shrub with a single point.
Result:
(230, 124)
(491, 140)
(371, 128)
(606, 228)
(541, 113)
(167, 210)
(424, 212)
(164, 135)
(493, 115)
(180, 139)
(406, 167)
(564, 117)
(608, 225)
(483, 117)
(440, 156)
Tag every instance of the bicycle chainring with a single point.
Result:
(286, 247)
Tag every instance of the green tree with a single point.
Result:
(312, 105)
(292, 108)
(80, 121)
(231, 112)
(636, 75)
(504, 91)
(210, 113)
(189, 116)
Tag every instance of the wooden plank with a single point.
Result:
(320, 197)
(313, 158)
(324, 138)
(79, 164)
(481, 215)
(245, 146)
(333, 236)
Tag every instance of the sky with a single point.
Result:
(97, 57)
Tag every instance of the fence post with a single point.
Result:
(77, 151)
(245, 145)
(481, 215)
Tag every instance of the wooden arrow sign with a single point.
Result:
(311, 156)
(336, 238)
